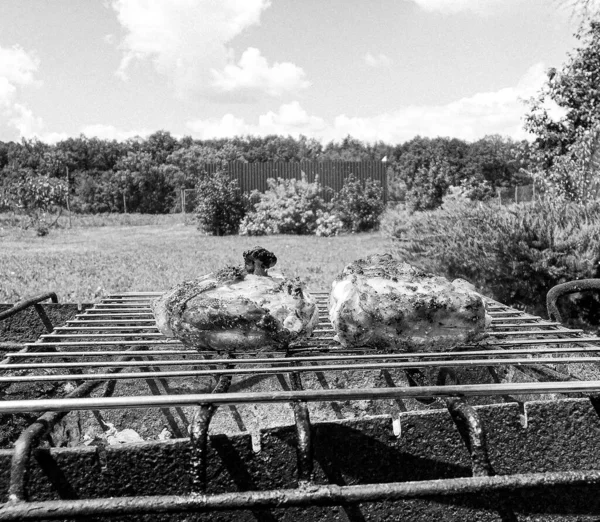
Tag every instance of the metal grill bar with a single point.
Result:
(273, 370)
(278, 369)
(327, 495)
(161, 401)
(336, 357)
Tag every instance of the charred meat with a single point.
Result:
(394, 306)
(238, 309)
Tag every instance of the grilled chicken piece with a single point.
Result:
(238, 309)
(394, 306)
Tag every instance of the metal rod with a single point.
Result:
(110, 321)
(103, 328)
(304, 446)
(127, 314)
(21, 305)
(526, 325)
(468, 363)
(327, 495)
(96, 335)
(312, 358)
(315, 338)
(105, 343)
(199, 437)
(472, 432)
(153, 401)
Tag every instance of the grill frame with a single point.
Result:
(503, 317)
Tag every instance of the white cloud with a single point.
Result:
(17, 66)
(253, 74)
(380, 60)
(470, 118)
(480, 7)
(110, 132)
(188, 42)
(17, 69)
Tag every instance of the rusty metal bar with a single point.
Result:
(312, 358)
(327, 495)
(462, 363)
(151, 401)
(582, 285)
(199, 437)
(101, 334)
(566, 340)
(103, 328)
(304, 446)
(21, 305)
(471, 430)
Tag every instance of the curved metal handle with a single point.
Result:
(572, 287)
(21, 305)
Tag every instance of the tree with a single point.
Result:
(36, 197)
(576, 90)
(221, 205)
(426, 168)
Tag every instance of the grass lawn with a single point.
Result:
(86, 262)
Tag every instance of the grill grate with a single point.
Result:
(117, 340)
(86, 348)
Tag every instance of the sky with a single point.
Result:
(377, 70)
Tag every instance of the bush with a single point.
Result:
(513, 254)
(359, 207)
(39, 198)
(221, 206)
(289, 206)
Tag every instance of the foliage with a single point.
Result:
(289, 206)
(147, 174)
(514, 254)
(328, 224)
(567, 105)
(425, 169)
(33, 196)
(575, 176)
(359, 206)
(221, 206)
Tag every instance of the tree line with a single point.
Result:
(146, 174)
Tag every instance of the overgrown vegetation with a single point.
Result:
(221, 206)
(289, 206)
(359, 206)
(514, 254)
(299, 207)
(146, 175)
(38, 198)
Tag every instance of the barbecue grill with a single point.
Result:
(110, 351)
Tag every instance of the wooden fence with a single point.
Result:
(253, 176)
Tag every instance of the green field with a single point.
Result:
(90, 260)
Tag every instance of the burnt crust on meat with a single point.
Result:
(390, 305)
(238, 308)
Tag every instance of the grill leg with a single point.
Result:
(472, 432)
(304, 446)
(199, 437)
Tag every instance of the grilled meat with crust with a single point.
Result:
(394, 306)
(238, 309)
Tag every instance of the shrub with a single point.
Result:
(221, 206)
(38, 197)
(328, 224)
(289, 206)
(359, 206)
(514, 254)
